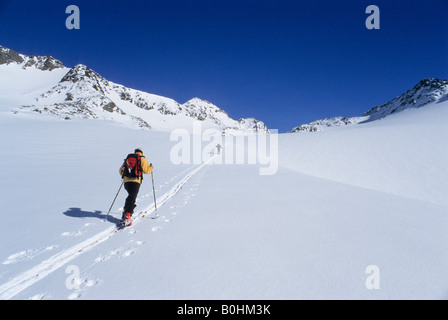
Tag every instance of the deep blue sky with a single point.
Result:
(285, 62)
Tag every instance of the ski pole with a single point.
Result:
(114, 201)
(154, 192)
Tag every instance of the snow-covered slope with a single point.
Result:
(403, 154)
(23, 78)
(321, 124)
(344, 202)
(427, 91)
(42, 85)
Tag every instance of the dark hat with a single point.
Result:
(138, 150)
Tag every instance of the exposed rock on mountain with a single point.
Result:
(427, 91)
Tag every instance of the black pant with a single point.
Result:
(132, 188)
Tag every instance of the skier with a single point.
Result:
(219, 148)
(132, 174)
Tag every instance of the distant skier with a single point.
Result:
(218, 148)
(132, 170)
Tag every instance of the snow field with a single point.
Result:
(342, 200)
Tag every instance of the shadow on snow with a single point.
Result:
(78, 213)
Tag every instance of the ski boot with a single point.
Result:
(126, 220)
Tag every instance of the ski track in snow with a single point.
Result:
(25, 255)
(26, 279)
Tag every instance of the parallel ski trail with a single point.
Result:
(45, 268)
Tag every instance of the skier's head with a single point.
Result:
(138, 150)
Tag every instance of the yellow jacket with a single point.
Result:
(146, 168)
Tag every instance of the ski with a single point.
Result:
(120, 227)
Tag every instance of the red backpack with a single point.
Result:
(132, 166)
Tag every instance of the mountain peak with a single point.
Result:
(433, 82)
(320, 124)
(428, 90)
(9, 56)
(81, 92)
(196, 100)
(80, 72)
